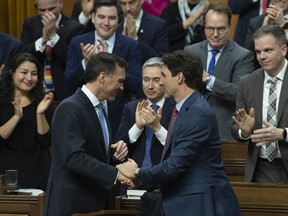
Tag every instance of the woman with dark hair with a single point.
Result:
(24, 122)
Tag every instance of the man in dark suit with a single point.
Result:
(277, 14)
(149, 31)
(53, 28)
(81, 177)
(254, 113)
(231, 63)
(245, 9)
(9, 46)
(105, 38)
(133, 128)
(191, 174)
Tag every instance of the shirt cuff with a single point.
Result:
(241, 137)
(83, 19)
(210, 84)
(52, 42)
(134, 133)
(38, 46)
(161, 135)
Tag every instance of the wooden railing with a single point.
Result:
(234, 159)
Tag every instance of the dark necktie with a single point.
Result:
(271, 148)
(149, 135)
(171, 125)
(212, 61)
(49, 86)
(102, 120)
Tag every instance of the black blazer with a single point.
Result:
(137, 149)
(32, 31)
(80, 177)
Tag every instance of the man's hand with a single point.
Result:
(49, 30)
(102, 47)
(267, 134)
(128, 169)
(139, 120)
(275, 15)
(87, 6)
(130, 27)
(152, 118)
(244, 121)
(120, 150)
(87, 51)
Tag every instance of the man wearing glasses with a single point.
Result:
(224, 61)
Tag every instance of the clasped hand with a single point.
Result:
(127, 174)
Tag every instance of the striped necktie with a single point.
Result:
(271, 148)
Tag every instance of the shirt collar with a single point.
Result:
(94, 100)
(160, 103)
(110, 41)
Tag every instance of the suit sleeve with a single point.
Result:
(244, 65)
(241, 6)
(68, 134)
(195, 131)
(74, 72)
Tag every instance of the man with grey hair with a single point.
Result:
(144, 122)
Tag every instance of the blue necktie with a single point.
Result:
(102, 120)
(212, 61)
(149, 135)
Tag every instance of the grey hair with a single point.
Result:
(153, 62)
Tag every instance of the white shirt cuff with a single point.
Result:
(83, 19)
(161, 135)
(134, 133)
(240, 135)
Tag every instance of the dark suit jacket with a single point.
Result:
(246, 9)
(80, 177)
(9, 46)
(75, 14)
(176, 32)
(152, 36)
(234, 63)
(32, 31)
(192, 176)
(137, 149)
(125, 48)
(251, 97)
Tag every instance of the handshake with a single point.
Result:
(127, 174)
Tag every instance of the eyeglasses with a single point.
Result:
(211, 30)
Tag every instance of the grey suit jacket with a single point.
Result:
(251, 96)
(234, 62)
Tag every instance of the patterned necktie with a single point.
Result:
(102, 120)
(171, 125)
(49, 86)
(271, 148)
(212, 61)
(149, 135)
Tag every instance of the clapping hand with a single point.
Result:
(120, 149)
(245, 121)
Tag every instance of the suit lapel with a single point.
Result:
(283, 96)
(223, 59)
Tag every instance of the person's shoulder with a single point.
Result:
(153, 19)
(196, 46)
(125, 39)
(237, 48)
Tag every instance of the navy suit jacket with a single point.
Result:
(125, 48)
(192, 175)
(80, 177)
(246, 9)
(9, 46)
(251, 97)
(233, 63)
(137, 149)
(32, 31)
(152, 36)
